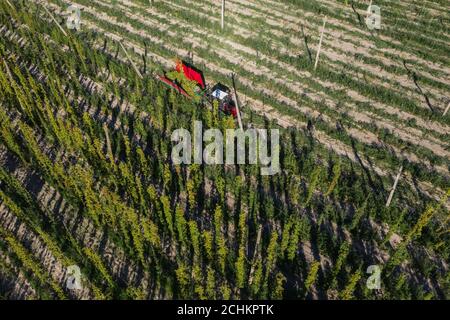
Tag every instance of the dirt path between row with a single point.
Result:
(289, 10)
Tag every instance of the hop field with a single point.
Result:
(87, 182)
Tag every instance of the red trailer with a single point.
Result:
(219, 92)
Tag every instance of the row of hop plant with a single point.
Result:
(421, 170)
(162, 215)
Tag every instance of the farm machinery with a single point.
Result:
(190, 82)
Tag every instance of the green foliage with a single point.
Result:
(187, 229)
(312, 275)
(348, 292)
(195, 237)
(188, 85)
(241, 271)
(280, 279)
(183, 278)
(342, 257)
(97, 261)
(165, 202)
(313, 183)
(336, 176)
(211, 283)
(272, 250)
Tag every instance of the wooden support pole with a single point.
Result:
(223, 14)
(255, 255)
(9, 3)
(391, 195)
(237, 103)
(131, 61)
(320, 43)
(446, 109)
(108, 143)
(54, 20)
(8, 71)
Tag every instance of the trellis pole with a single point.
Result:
(108, 143)
(255, 254)
(320, 43)
(446, 109)
(391, 195)
(9, 3)
(237, 103)
(8, 71)
(131, 61)
(54, 20)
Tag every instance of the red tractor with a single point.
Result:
(190, 82)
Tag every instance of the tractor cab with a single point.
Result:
(222, 95)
